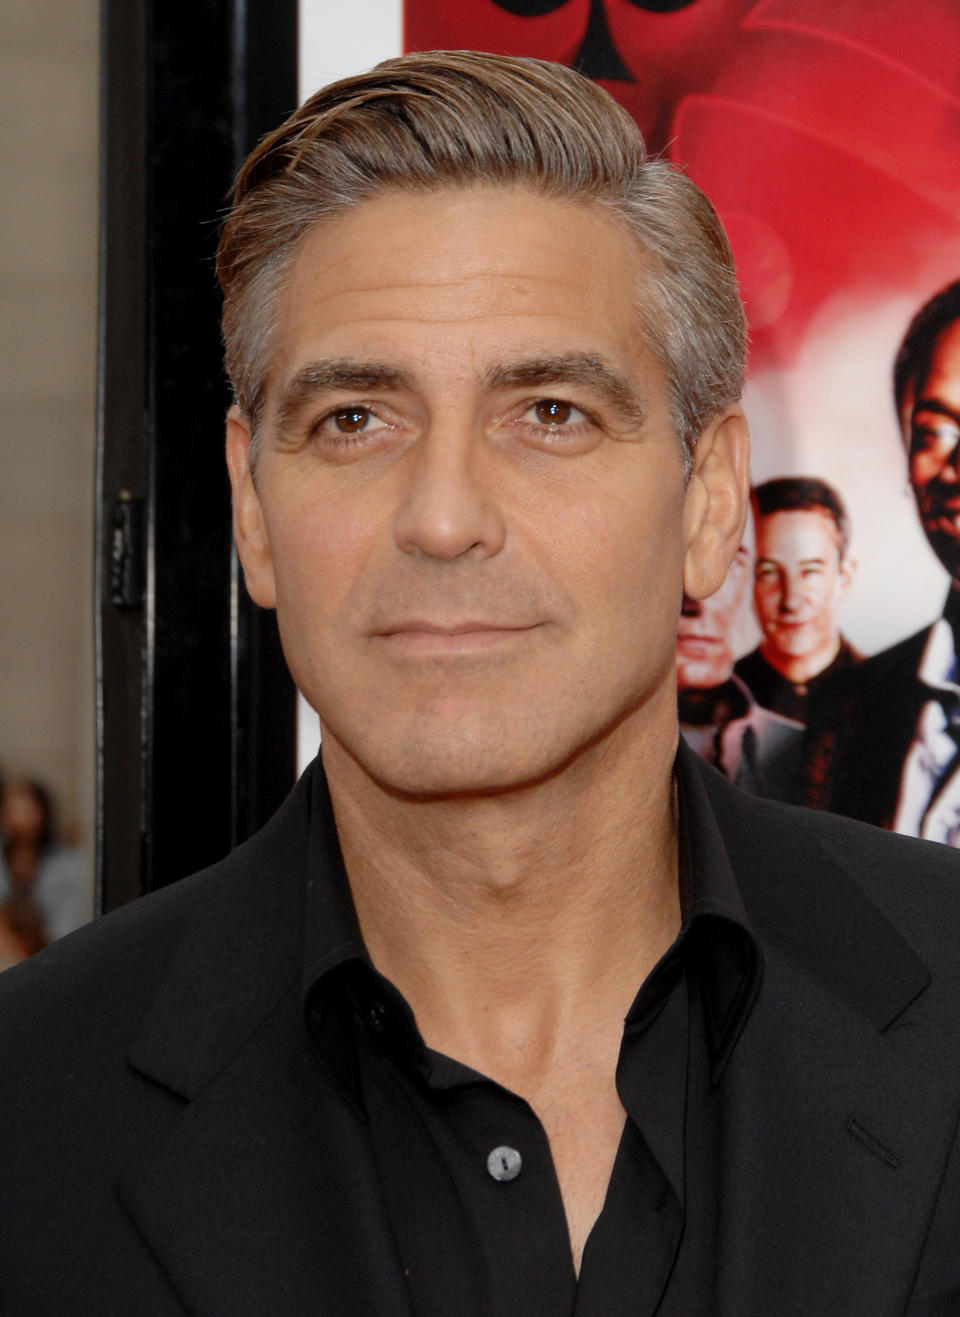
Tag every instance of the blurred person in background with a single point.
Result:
(803, 571)
(885, 745)
(44, 885)
(719, 718)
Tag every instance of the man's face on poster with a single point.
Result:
(932, 424)
(705, 634)
(801, 576)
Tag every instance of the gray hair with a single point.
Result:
(448, 119)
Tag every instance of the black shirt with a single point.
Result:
(791, 699)
(465, 1165)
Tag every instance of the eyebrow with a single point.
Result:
(347, 374)
(935, 406)
(327, 376)
(571, 368)
(804, 562)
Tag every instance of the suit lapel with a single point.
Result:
(262, 1196)
(833, 1145)
(839, 1110)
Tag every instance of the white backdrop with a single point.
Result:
(336, 40)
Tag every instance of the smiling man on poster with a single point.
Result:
(516, 1007)
(803, 571)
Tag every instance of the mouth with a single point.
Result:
(792, 623)
(943, 515)
(694, 644)
(422, 637)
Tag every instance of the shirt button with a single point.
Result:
(504, 1163)
(377, 1016)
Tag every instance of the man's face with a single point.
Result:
(469, 507)
(799, 581)
(705, 631)
(932, 425)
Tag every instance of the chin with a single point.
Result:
(458, 747)
(947, 550)
(703, 679)
(794, 647)
(459, 759)
(434, 772)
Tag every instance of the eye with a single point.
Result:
(940, 434)
(554, 413)
(350, 420)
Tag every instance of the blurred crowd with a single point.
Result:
(45, 884)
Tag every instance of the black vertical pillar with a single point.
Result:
(196, 710)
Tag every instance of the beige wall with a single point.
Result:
(48, 272)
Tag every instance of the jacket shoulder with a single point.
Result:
(805, 860)
(97, 981)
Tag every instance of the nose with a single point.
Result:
(690, 607)
(949, 473)
(449, 508)
(790, 592)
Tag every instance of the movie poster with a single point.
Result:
(827, 134)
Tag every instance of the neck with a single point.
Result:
(516, 916)
(804, 667)
(951, 611)
(715, 705)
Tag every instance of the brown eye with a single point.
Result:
(351, 419)
(550, 411)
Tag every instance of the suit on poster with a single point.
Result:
(195, 1157)
(883, 744)
(861, 732)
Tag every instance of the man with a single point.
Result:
(803, 570)
(885, 745)
(719, 718)
(486, 358)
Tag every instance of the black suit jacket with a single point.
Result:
(171, 1144)
(860, 730)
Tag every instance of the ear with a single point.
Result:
(249, 527)
(717, 502)
(848, 571)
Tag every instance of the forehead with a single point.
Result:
(797, 533)
(473, 271)
(942, 380)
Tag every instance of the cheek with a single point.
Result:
(923, 468)
(618, 562)
(320, 548)
(636, 559)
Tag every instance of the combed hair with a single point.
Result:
(453, 119)
(913, 359)
(803, 494)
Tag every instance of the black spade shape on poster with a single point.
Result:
(661, 6)
(597, 56)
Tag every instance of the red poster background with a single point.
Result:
(826, 132)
